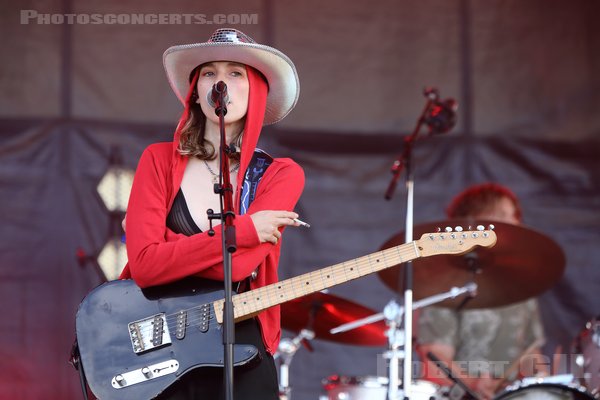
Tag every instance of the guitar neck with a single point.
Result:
(250, 303)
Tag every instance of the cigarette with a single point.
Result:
(302, 223)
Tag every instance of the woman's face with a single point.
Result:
(236, 78)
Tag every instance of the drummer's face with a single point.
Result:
(503, 210)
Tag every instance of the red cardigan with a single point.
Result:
(158, 256)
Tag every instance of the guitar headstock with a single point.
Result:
(455, 241)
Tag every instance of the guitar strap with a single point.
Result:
(75, 361)
(256, 169)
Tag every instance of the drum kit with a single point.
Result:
(523, 264)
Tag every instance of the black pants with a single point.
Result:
(253, 382)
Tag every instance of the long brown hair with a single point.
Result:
(191, 126)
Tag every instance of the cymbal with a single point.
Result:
(327, 312)
(524, 263)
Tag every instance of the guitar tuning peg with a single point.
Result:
(470, 228)
(438, 229)
(448, 229)
(491, 227)
(480, 227)
(458, 229)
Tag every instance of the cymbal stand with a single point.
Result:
(474, 267)
(285, 352)
(469, 288)
(393, 316)
(288, 348)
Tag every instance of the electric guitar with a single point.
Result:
(134, 343)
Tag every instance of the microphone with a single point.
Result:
(441, 116)
(218, 89)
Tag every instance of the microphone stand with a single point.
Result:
(405, 161)
(228, 240)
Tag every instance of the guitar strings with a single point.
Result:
(361, 262)
(342, 267)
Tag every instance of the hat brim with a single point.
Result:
(278, 69)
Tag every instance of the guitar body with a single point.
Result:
(135, 343)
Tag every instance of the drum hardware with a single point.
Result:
(473, 266)
(313, 316)
(393, 314)
(325, 314)
(393, 318)
(372, 388)
(288, 347)
(470, 289)
(559, 387)
(285, 353)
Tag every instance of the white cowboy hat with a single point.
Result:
(233, 45)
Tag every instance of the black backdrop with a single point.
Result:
(525, 74)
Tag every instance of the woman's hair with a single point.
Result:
(478, 198)
(191, 126)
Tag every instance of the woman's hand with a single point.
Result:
(268, 222)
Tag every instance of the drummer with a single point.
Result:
(480, 345)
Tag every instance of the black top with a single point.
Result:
(180, 219)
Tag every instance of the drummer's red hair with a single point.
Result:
(477, 198)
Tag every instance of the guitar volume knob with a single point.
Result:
(120, 380)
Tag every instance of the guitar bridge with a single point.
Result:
(149, 333)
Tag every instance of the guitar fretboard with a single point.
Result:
(248, 304)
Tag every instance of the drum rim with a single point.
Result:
(335, 381)
(354, 380)
(573, 386)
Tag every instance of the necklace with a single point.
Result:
(215, 176)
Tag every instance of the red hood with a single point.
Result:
(257, 101)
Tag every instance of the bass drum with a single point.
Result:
(544, 391)
(372, 388)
